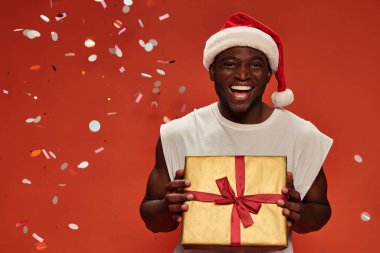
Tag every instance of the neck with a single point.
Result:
(258, 113)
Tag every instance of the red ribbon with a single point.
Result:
(242, 204)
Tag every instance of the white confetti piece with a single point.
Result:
(126, 9)
(45, 154)
(364, 216)
(183, 108)
(161, 72)
(117, 24)
(121, 69)
(37, 237)
(128, 2)
(26, 181)
(157, 84)
(54, 36)
(44, 18)
(64, 166)
(60, 16)
(35, 97)
(52, 154)
(121, 31)
(20, 223)
(70, 54)
(73, 226)
(358, 158)
(112, 50)
(148, 47)
(25, 229)
(166, 119)
(111, 113)
(141, 23)
(5, 92)
(62, 185)
(118, 52)
(138, 98)
(92, 58)
(97, 151)
(94, 126)
(103, 3)
(55, 200)
(182, 89)
(153, 42)
(18, 30)
(31, 34)
(29, 120)
(156, 90)
(141, 43)
(37, 119)
(146, 75)
(89, 43)
(83, 165)
(163, 17)
(155, 104)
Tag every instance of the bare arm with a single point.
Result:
(313, 212)
(163, 203)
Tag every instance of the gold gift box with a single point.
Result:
(208, 226)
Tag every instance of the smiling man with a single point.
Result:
(241, 59)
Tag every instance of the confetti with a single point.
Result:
(121, 31)
(30, 120)
(102, 2)
(35, 97)
(165, 61)
(64, 166)
(26, 181)
(121, 69)
(70, 54)
(62, 185)
(138, 98)
(20, 223)
(92, 58)
(155, 104)
(157, 83)
(118, 52)
(73, 226)
(146, 75)
(166, 119)
(31, 34)
(358, 158)
(35, 153)
(128, 2)
(35, 67)
(44, 18)
(83, 165)
(54, 36)
(5, 92)
(148, 47)
(37, 237)
(46, 154)
(37, 119)
(142, 43)
(153, 42)
(126, 9)
(364, 216)
(97, 151)
(60, 16)
(112, 50)
(163, 17)
(141, 23)
(182, 89)
(89, 43)
(118, 24)
(156, 90)
(111, 113)
(41, 246)
(52, 154)
(18, 30)
(183, 108)
(55, 200)
(25, 229)
(94, 126)
(161, 72)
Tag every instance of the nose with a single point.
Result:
(243, 73)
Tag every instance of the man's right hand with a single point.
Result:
(174, 196)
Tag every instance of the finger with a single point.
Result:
(177, 197)
(176, 185)
(177, 218)
(179, 174)
(292, 216)
(291, 193)
(292, 206)
(178, 208)
(289, 227)
(289, 179)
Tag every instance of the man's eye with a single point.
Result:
(229, 65)
(256, 65)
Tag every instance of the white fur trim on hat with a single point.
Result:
(283, 98)
(240, 36)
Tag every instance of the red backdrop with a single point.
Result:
(331, 54)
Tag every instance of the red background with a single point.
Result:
(331, 63)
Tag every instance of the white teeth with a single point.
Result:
(243, 88)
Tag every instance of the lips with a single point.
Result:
(241, 92)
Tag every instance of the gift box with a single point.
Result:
(235, 202)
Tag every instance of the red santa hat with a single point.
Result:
(242, 30)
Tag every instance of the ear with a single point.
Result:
(211, 72)
(269, 74)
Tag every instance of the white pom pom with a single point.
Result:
(283, 98)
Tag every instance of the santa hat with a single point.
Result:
(242, 30)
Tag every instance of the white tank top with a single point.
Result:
(205, 132)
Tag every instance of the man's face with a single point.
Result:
(240, 75)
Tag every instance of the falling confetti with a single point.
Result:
(97, 151)
(358, 158)
(64, 166)
(118, 24)
(44, 18)
(83, 165)
(126, 9)
(35, 67)
(31, 34)
(54, 36)
(154, 104)
(40, 246)
(157, 84)
(5, 92)
(20, 223)
(46, 154)
(60, 16)
(111, 113)
(89, 43)
(118, 52)
(161, 72)
(37, 237)
(163, 17)
(141, 23)
(30, 120)
(146, 75)
(62, 185)
(121, 31)
(166, 119)
(153, 42)
(52, 154)
(73, 226)
(35, 153)
(37, 119)
(55, 200)
(183, 108)
(92, 58)
(26, 181)
(128, 2)
(94, 126)
(121, 69)
(142, 43)
(165, 61)
(148, 47)
(138, 98)
(182, 89)
(70, 54)
(364, 216)
(156, 90)
(25, 229)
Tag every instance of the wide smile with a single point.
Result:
(241, 92)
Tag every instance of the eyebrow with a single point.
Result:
(234, 58)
